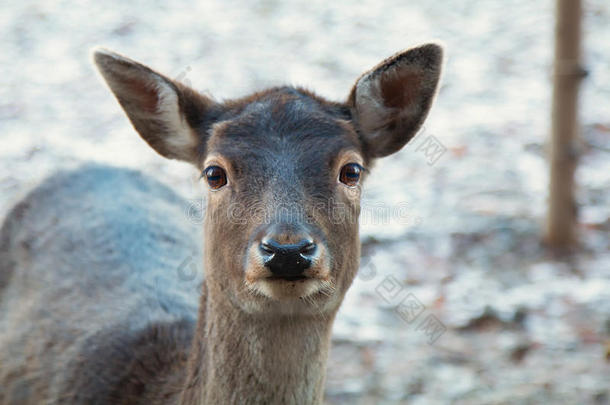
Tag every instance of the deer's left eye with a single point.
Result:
(350, 174)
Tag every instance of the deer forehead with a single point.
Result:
(282, 132)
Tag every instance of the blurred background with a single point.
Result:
(458, 300)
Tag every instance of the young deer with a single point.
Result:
(90, 309)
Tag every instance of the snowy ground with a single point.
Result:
(457, 241)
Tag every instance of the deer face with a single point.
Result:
(285, 213)
(284, 170)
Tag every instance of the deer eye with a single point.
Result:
(215, 176)
(350, 174)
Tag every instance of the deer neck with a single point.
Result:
(253, 359)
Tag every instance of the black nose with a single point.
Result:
(288, 260)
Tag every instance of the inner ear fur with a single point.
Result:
(168, 115)
(391, 101)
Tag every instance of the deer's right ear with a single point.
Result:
(168, 115)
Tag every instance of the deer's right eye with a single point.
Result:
(215, 176)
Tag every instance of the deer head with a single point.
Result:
(285, 170)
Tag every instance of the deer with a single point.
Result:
(90, 309)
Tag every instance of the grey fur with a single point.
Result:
(98, 235)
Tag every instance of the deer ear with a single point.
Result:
(168, 115)
(391, 101)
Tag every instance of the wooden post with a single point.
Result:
(567, 74)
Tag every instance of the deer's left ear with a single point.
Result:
(391, 101)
